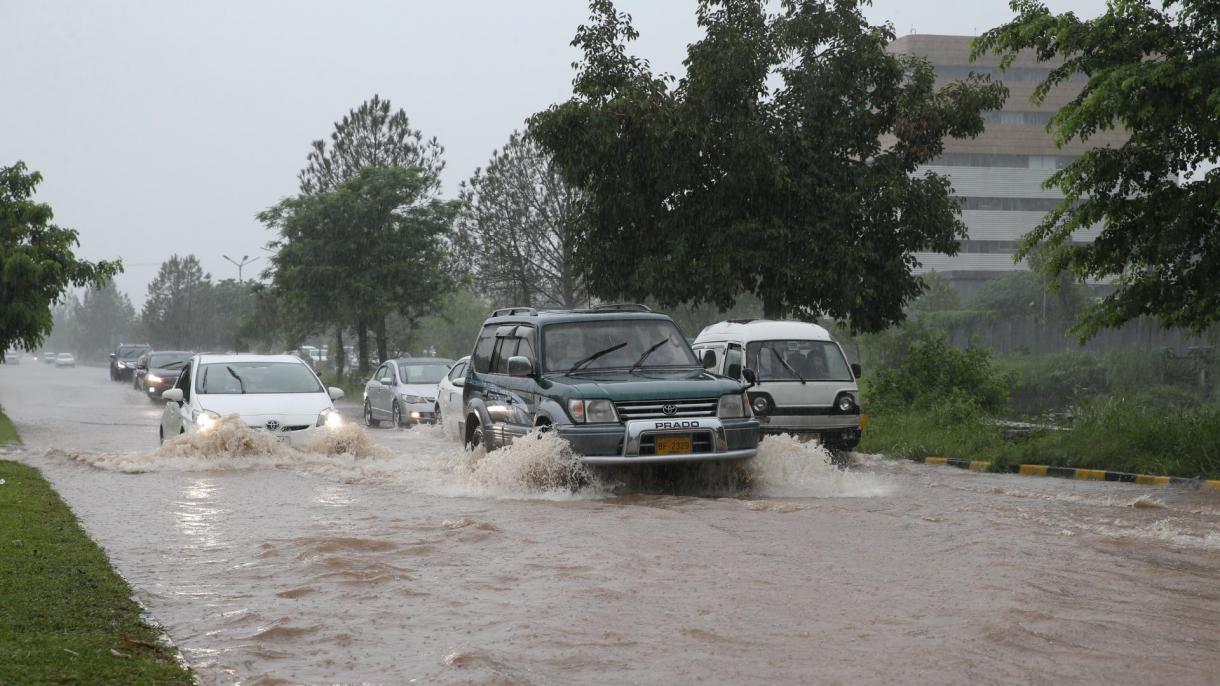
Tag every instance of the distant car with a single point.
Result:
(403, 391)
(449, 394)
(123, 360)
(276, 393)
(157, 371)
(12, 358)
(65, 360)
(48, 357)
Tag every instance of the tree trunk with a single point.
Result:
(340, 355)
(362, 348)
(773, 309)
(379, 331)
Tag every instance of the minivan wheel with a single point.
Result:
(840, 458)
(368, 416)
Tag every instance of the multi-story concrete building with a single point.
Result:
(999, 174)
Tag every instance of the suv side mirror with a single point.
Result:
(519, 365)
(749, 375)
(855, 369)
(112, 356)
(709, 359)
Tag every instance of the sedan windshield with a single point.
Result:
(615, 344)
(231, 378)
(796, 360)
(422, 373)
(167, 359)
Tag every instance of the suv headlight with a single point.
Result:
(330, 418)
(206, 419)
(153, 378)
(122, 365)
(733, 405)
(412, 398)
(592, 411)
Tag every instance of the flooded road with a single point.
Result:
(413, 562)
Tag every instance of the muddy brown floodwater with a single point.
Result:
(413, 562)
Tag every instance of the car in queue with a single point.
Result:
(403, 391)
(157, 371)
(48, 357)
(280, 394)
(123, 360)
(449, 395)
(65, 360)
(804, 385)
(618, 382)
(11, 357)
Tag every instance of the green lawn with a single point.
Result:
(65, 616)
(8, 432)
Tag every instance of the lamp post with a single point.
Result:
(245, 259)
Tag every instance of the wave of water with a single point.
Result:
(427, 460)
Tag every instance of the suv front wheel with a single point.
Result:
(474, 433)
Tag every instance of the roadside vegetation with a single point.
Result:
(8, 432)
(67, 617)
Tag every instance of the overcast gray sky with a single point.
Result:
(163, 126)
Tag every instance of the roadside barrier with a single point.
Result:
(1077, 473)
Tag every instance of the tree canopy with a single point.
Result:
(37, 262)
(1153, 71)
(781, 164)
(519, 228)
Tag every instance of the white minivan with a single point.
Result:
(805, 385)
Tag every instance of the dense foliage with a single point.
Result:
(37, 262)
(781, 164)
(934, 374)
(1152, 70)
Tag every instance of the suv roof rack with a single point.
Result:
(513, 311)
(621, 307)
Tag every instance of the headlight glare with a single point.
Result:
(153, 378)
(206, 419)
(730, 406)
(330, 418)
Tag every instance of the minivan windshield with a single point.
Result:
(796, 360)
(231, 378)
(615, 344)
(422, 373)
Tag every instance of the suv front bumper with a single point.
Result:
(633, 442)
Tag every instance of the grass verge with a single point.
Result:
(65, 616)
(1110, 433)
(8, 432)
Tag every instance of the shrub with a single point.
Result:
(936, 375)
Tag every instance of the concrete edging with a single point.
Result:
(1077, 473)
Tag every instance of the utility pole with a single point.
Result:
(245, 259)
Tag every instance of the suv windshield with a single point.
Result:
(422, 373)
(131, 352)
(795, 360)
(167, 359)
(256, 377)
(622, 343)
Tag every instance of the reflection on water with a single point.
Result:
(196, 513)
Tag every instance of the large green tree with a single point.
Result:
(176, 302)
(102, 318)
(37, 262)
(374, 245)
(519, 228)
(1153, 71)
(783, 163)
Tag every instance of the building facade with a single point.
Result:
(999, 174)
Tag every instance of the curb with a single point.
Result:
(1077, 473)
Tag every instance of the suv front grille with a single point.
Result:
(655, 409)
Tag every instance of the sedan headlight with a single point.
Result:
(330, 418)
(412, 398)
(206, 419)
(732, 406)
(153, 378)
(592, 411)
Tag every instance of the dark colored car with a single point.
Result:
(123, 360)
(620, 383)
(157, 371)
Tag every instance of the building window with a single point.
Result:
(961, 71)
(1011, 204)
(969, 159)
(1023, 118)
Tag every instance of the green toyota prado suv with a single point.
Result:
(618, 382)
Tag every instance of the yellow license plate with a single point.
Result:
(674, 445)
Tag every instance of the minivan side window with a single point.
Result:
(733, 358)
(481, 359)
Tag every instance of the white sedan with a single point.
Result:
(449, 400)
(276, 393)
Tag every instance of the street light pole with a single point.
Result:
(245, 259)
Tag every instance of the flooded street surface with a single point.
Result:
(421, 563)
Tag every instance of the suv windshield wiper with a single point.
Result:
(240, 383)
(785, 363)
(648, 352)
(594, 356)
